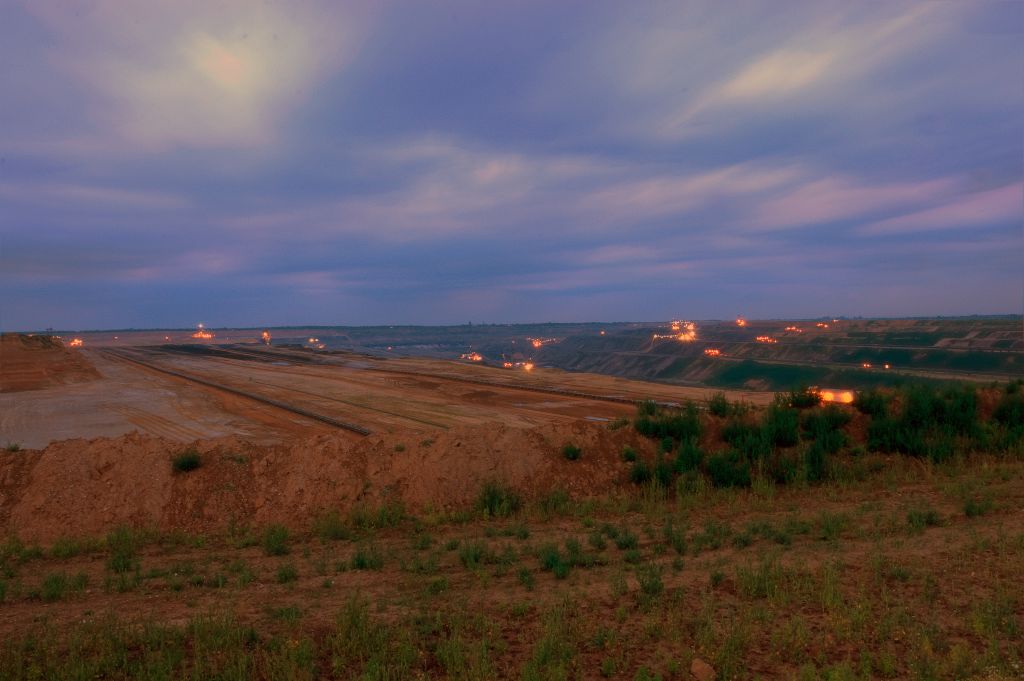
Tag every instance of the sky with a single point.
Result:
(283, 163)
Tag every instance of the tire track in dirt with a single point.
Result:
(344, 425)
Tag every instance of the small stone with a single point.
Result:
(701, 670)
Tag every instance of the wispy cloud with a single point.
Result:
(1001, 205)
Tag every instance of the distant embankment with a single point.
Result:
(35, 362)
(741, 363)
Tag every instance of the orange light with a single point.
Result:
(794, 329)
(841, 396)
(712, 352)
(765, 339)
(200, 334)
(76, 343)
(822, 325)
(740, 321)
(602, 333)
(887, 366)
(472, 356)
(866, 365)
(266, 337)
(507, 365)
(536, 342)
(528, 366)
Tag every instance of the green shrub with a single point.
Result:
(718, 405)
(187, 460)
(781, 425)
(729, 470)
(803, 398)
(678, 424)
(275, 540)
(874, 403)
(628, 454)
(639, 472)
(689, 457)
(12, 447)
(552, 560)
(571, 452)
(497, 500)
(819, 422)
(647, 408)
(663, 471)
(815, 461)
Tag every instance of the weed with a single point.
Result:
(287, 573)
(367, 558)
(496, 500)
(597, 541)
(275, 541)
(473, 554)
(920, 518)
(331, 527)
(123, 544)
(975, 506)
(650, 582)
(12, 447)
(625, 539)
(554, 503)
(628, 453)
(525, 578)
(571, 452)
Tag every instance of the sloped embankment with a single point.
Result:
(34, 362)
(85, 487)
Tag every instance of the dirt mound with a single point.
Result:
(85, 487)
(34, 362)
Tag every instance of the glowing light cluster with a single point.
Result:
(765, 339)
(866, 365)
(794, 329)
(472, 356)
(712, 352)
(76, 343)
(740, 321)
(538, 342)
(821, 325)
(683, 331)
(201, 332)
(266, 337)
(841, 396)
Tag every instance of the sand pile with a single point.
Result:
(85, 487)
(34, 362)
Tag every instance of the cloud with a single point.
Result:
(1001, 205)
(830, 199)
(51, 193)
(197, 74)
